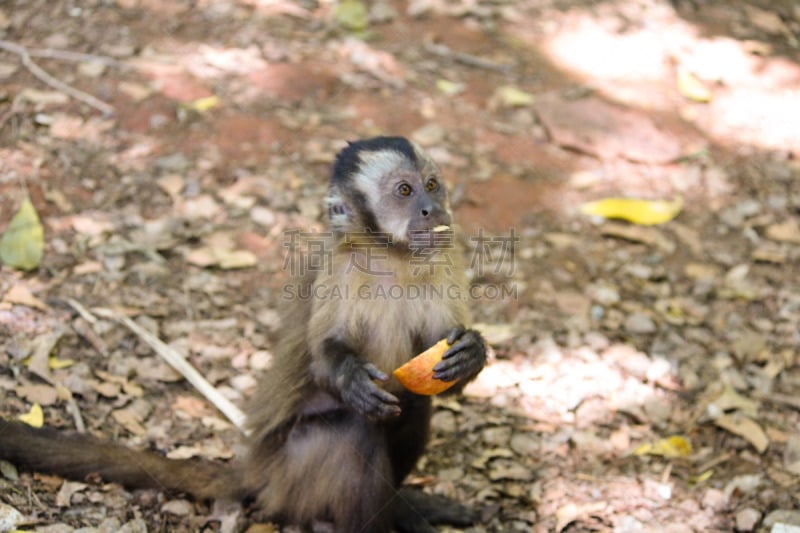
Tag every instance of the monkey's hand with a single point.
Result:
(359, 391)
(465, 357)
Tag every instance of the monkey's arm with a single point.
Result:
(465, 357)
(338, 369)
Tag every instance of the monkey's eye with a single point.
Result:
(404, 189)
(432, 185)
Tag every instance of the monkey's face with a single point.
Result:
(392, 187)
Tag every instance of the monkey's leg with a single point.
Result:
(331, 467)
(414, 511)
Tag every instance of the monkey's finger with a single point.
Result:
(375, 372)
(455, 333)
(467, 341)
(464, 363)
(380, 404)
(384, 396)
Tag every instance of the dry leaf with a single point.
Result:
(38, 394)
(34, 417)
(20, 294)
(39, 361)
(641, 212)
(788, 231)
(730, 400)
(570, 512)
(22, 244)
(68, 488)
(130, 420)
(234, 259)
(746, 428)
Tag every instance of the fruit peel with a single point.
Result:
(417, 374)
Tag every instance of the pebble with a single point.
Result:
(524, 444)
(178, 508)
(640, 324)
(444, 422)
(9, 517)
(747, 519)
(497, 436)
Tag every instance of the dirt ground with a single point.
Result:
(643, 378)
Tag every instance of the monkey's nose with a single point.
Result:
(426, 212)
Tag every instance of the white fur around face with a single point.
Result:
(374, 166)
(397, 228)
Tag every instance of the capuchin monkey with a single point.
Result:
(332, 433)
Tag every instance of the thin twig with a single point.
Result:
(57, 84)
(78, 57)
(75, 411)
(179, 363)
(465, 58)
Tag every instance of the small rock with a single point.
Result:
(429, 134)
(7, 69)
(134, 526)
(243, 382)
(9, 517)
(55, 528)
(524, 444)
(604, 294)
(263, 216)
(382, 12)
(714, 499)
(511, 471)
(172, 163)
(785, 516)
(497, 436)
(444, 422)
(451, 474)
(747, 519)
(260, 360)
(640, 324)
(178, 508)
(788, 231)
(92, 69)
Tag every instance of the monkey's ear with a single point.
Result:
(338, 211)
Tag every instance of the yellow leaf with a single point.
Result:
(705, 476)
(670, 447)
(449, 88)
(512, 97)
(642, 212)
(55, 363)
(691, 87)
(201, 105)
(34, 417)
(22, 245)
(352, 15)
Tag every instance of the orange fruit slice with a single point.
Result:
(417, 374)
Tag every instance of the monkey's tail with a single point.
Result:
(75, 456)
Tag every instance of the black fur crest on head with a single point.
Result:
(347, 161)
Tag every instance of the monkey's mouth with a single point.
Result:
(439, 236)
